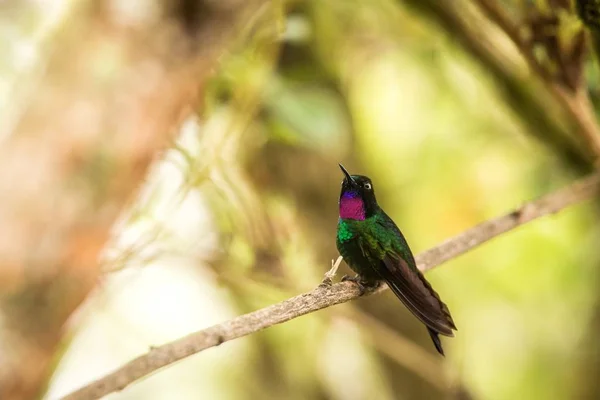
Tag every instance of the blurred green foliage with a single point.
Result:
(451, 136)
(376, 85)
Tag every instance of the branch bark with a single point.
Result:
(328, 295)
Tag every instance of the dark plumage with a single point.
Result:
(373, 246)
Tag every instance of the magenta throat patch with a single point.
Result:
(352, 206)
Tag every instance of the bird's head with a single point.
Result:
(357, 198)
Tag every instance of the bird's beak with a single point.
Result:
(348, 176)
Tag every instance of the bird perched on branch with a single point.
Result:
(374, 248)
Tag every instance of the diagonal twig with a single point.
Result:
(328, 295)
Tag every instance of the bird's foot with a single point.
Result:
(363, 285)
(329, 275)
(326, 282)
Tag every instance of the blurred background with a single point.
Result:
(430, 99)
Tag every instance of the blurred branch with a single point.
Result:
(523, 97)
(589, 13)
(111, 89)
(497, 14)
(400, 349)
(328, 295)
(576, 103)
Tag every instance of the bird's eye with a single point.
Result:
(367, 186)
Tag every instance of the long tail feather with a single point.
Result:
(436, 341)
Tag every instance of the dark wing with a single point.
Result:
(398, 268)
(410, 286)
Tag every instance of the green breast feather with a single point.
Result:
(344, 231)
(372, 234)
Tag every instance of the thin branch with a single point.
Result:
(328, 295)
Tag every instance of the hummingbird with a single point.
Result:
(372, 245)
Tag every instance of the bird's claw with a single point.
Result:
(326, 282)
(356, 279)
(363, 285)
